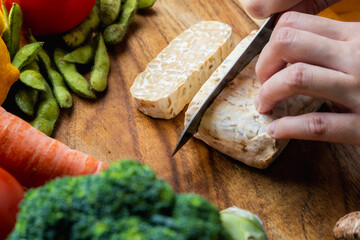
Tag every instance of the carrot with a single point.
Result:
(34, 158)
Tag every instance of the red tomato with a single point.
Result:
(47, 17)
(11, 193)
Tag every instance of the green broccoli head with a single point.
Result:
(126, 201)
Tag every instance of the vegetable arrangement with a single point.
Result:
(126, 201)
(34, 158)
(84, 45)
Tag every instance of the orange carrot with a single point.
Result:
(34, 158)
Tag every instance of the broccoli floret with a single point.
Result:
(126, 201)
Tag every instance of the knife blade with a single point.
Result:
(250, 52)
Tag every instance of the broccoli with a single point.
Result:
(126, 201)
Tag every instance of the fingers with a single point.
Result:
(332, 127)
(263, 8)
(288, 45)
(305, 79)
(314, 24)
(312, 6)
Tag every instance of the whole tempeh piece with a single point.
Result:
(233, 126)
(172, 79)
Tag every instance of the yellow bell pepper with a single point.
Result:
(8, 73)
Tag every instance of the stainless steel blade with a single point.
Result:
(250, 52)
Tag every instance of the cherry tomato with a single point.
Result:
(11, 193)
(47, 17)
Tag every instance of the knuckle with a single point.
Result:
(283, 39)
(288, 19)
(255, 8)
(317, 126)
(296, 76)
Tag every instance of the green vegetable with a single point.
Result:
(48, 111)
(26, 54)
(33, 79)
(126, 201)
(242, 224)
(78, 35)
(4, 11)
(25, 99)
(74, 80)
(82, 55)
(61, 93)
(15, 23)
(144, 4)
(31, 66)
(6, 34)
(109, 11)
(115, 33)
(99, 74)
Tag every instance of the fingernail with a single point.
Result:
(256, 102)
(271, 129)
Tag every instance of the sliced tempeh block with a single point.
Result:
(172, 79)
(233, 126)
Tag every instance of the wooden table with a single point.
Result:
(300, 196)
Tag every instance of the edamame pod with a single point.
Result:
(82, 55)
(15, 23)
(144, 4)
(6, 34)
(25, 99)
(78, 35)
(33, 79)
(31, 66)
(109, 11)
(61, 92)
(74, 80)
(115, 33)
(26, 54)
(4, 11)
(99, 74)
(48, 111)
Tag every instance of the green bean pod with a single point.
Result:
(109, 11)
(100, 72)
(48, 111)
(15, 23)
(115, 33)
(78, 35)
(26, 54)
(61, 92)
(77, 83)
(82, 55)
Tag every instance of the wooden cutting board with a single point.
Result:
(300, 196)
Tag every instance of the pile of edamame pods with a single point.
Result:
(41, 101)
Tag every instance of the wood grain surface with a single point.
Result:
(300, 196)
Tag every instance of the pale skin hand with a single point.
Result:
(325, 58)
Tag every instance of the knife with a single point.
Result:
(250, 52)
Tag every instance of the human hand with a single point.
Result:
(325, 58)
(263, 8)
